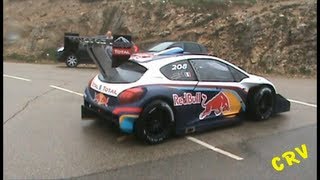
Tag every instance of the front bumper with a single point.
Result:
(60, 56)
(281, 105)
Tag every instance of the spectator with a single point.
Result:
(109, 35)
(135, 48)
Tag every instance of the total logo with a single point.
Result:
(103, 88)
(218, 104)
(121, 51)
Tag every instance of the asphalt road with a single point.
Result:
(45, 138)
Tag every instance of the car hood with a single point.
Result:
(254, 80)
(259, 79)
(60, 49)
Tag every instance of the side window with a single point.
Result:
(179, 71)
(238, 76)
(192, 47)
(212, 70)
(176, 45)
(203, 49)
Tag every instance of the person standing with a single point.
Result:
(109, 38)
(109, 35)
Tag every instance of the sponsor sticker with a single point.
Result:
(103, 89)
(186, 99)
(109, 90)
(218, 104)
(101, 99)
(94, 85)
(187, 74)
(121, 51)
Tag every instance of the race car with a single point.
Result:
(176, 93)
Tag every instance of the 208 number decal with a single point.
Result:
(179, 66)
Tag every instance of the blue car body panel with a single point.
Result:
(187, 102)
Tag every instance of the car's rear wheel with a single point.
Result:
(155, 123)
(72, 61)
(261, 103)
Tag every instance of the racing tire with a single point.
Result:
(261, 103)
(155, 123)
(72, 61)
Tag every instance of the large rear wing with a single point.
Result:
(69, 45)
(105, 53)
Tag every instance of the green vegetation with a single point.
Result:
(47, 54)
(304, 70)
(20, 57)
(199, 3)
(89, 1)
(206, 3)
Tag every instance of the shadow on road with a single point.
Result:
(105, 131)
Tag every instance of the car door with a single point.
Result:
(222, 95)
(182, 82)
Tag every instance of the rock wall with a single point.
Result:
(260, 36)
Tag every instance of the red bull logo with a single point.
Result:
(101, 99)
(218, 104)
(186, 99)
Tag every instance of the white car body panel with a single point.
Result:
(154, 76)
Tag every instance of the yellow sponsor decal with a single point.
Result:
(235, 104)
(126, 116)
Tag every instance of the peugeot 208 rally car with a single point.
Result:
(176, 93)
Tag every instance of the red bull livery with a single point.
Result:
(218, 104)
(175, 93)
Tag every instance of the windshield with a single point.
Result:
(127, 72)
(160, 47)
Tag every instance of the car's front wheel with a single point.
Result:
(155, 123)
(261, 103)
(72, 61)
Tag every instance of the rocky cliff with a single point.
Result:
(261, 36)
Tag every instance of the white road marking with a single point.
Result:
(66, 90)
(214, 148)
(303, 103)
(15, 77)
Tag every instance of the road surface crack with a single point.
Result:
(26, 105)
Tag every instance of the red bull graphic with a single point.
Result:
(101, 99)
(218, 104)
(186, 99)
(225, 103)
